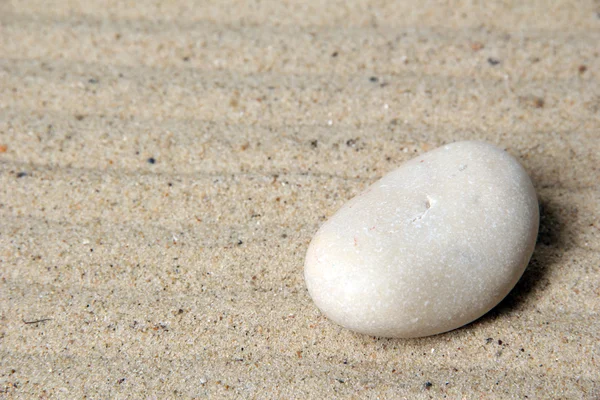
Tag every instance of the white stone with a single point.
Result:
(429, 247)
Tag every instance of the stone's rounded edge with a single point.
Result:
(311, 263)
(533, 228)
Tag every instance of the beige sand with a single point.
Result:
(183, 277)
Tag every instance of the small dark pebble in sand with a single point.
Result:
(538, 102)
(373, 79)
(151, 160)
(92, 80)
(428, 385)
(499, 342)
(21, 174)
(314, 143)
(334, 54)
(240, 242)
(582, 69)
(493, 61)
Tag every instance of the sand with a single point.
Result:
(164, 165)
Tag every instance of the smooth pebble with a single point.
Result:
(430, 247)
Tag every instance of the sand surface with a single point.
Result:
(164, 165)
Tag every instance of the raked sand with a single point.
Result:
(164, 165)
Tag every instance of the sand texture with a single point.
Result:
(164, 165)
